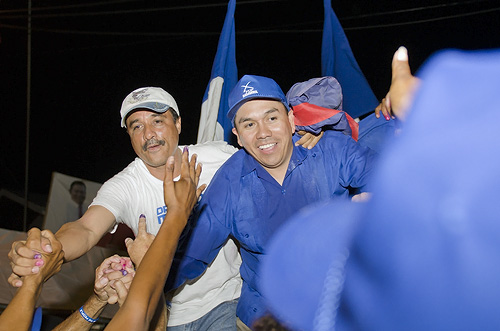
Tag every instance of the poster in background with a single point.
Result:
(60, 208)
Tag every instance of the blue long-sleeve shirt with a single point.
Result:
(245, 201)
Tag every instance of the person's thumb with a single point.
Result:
(128, 242)
(400, 65)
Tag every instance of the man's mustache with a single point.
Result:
(152, 141)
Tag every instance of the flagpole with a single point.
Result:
(28, 111)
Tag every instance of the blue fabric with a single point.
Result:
(338, 61)
(36, 323)
(322, 91)
(221, 318)
(429, 259)
(244, 201)
(326, 94)
(305, 258)
(376, 133)
(224, 66)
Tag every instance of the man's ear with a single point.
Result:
(178, 125)
(237, 136)
(291, 120)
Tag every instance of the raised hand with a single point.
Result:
(181, 196)
(403, 86)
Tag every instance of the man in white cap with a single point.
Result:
(151, 117)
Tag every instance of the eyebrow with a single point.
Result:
(130, 124)
(246, 119)
(137, 120)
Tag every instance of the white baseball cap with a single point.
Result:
(153, 98)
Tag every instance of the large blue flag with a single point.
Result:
(214, 124)
(338, 61)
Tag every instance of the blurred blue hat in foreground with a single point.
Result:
(424, 252)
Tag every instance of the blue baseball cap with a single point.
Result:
(251, 87)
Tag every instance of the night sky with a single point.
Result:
(86, 59)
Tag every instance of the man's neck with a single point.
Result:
(159, 172)
(279, 172)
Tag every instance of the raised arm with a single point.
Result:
(147, 287)
(19, 312)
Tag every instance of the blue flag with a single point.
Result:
(338, 61)
(214, 124)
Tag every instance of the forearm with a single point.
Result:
(146, 290)
(93, 307)
(76, 240)
(159, 321)
(19, 312)
(80, 236)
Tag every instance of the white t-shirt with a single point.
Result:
(134, 191)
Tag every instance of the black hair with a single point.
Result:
(77, 182)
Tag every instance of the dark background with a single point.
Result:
(86, 58)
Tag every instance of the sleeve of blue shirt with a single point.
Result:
(353, 162)
(357, 165)
(210, 232)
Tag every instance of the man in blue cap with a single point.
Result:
(267, 181)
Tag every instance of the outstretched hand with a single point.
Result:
(181, 196)
(403, 87)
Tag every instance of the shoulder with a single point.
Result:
(236, 160)
(338, 145)
(212, 151)
(231, 170)
(332, 140)
(336, 135)
(135, 171)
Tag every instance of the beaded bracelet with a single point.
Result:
(87, 317)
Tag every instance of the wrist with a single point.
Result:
(33, 280)
(177, 216)
(98, 300)
(86, 317)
